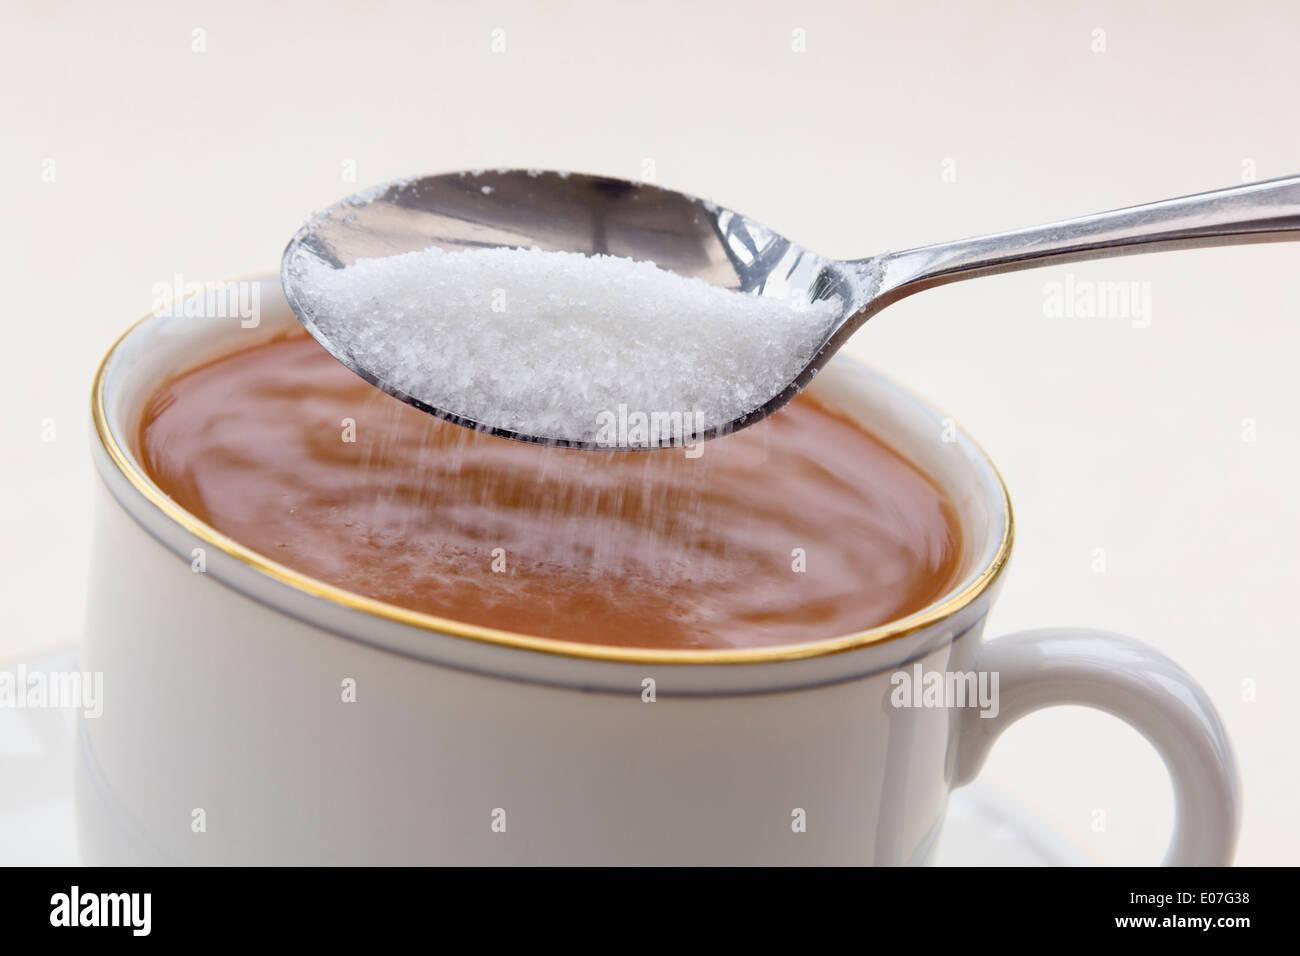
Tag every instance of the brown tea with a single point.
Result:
(800, 528)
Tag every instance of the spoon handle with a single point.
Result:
(1256, 212)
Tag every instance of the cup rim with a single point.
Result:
(946, 606)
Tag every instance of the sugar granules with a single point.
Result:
(556, 344)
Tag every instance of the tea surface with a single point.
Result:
(800, 528)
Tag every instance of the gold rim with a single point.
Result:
(597, 652)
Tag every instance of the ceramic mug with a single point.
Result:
(252, 714)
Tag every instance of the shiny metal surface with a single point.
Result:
(693, 237)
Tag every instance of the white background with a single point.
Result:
(168, 160)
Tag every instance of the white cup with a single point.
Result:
(225, 736)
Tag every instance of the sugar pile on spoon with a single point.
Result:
(556, 345)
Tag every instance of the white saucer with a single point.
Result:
(37, 825)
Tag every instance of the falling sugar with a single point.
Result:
(560, 345)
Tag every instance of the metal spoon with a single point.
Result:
(692, 237)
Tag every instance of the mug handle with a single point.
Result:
(1153, 695)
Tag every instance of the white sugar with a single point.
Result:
(560, 345)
